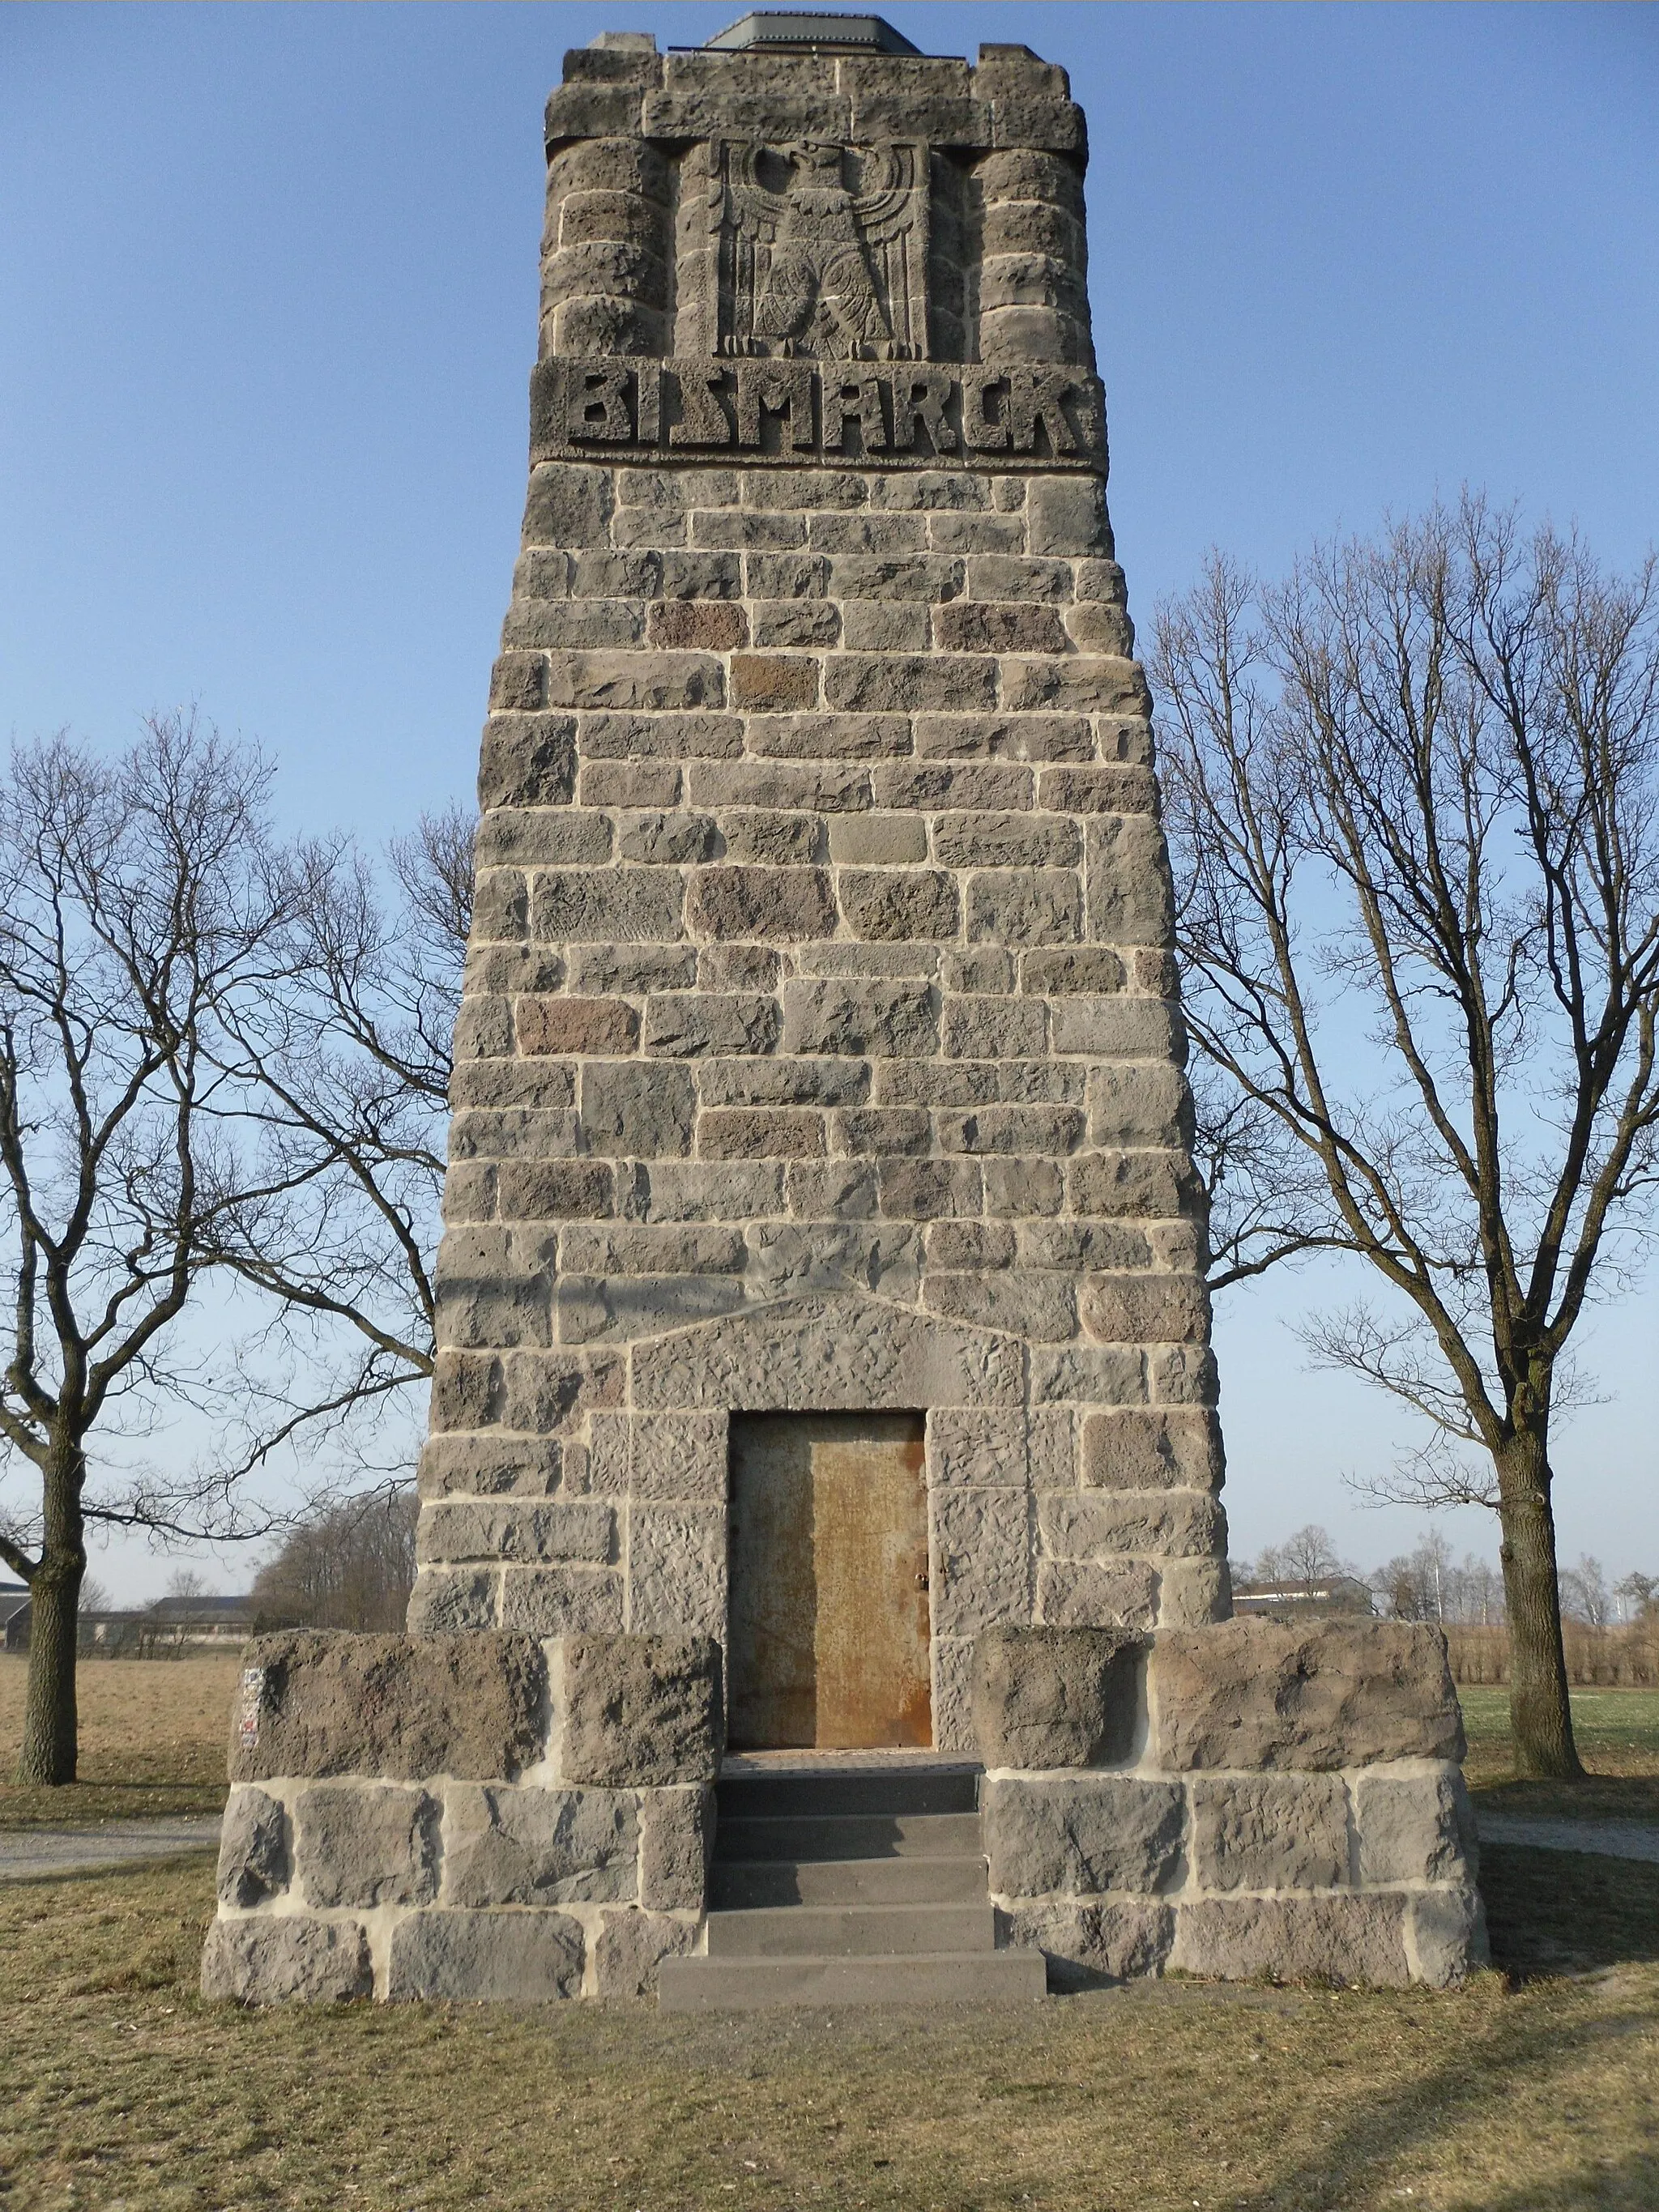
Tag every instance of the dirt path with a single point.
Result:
(1613, 1840)
(28, 1853)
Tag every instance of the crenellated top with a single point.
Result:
(825, 205)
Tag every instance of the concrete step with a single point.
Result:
(852, 1931)
(747, 1985)
(869, 1790)
(954, 1881)
(849, 1836)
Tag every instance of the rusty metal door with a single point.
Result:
(830, 1619)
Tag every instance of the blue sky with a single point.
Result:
(269, 278)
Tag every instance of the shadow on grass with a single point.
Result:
(1567, 1912)
(1417, 2119)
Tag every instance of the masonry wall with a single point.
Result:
(821, 1044)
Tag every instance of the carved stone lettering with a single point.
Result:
(775, 388)
(985, 416)
(857, 400)
(919, 402)
(704, 419)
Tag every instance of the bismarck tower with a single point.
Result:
(823, 1358)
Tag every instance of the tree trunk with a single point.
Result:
(1541, 1717)
(49, 1722)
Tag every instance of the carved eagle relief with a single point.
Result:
(823, 250)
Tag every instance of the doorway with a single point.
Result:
(830, 1619)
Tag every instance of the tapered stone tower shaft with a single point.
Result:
(820, 1049)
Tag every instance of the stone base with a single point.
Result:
(476, 1817)
(489, 1817)
(1294, 1809)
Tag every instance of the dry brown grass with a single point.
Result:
(127, 2095)
(1531, 2091)
(153, 1738)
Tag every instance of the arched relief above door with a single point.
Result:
(858, 1355)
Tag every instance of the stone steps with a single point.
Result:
(853, 1887)
(740, 1884)
(850, 1931)
(850, 1836)
(749, 1984)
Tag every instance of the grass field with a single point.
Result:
(153, 1739)
(1536, 2089)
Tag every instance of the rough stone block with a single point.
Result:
(318, 1703)
(561, 1601)
(524, 1846)
(1270, 1832)
(1094, 1524)
(253, 1849)
(1415, 1826)
(367, 1843)
(677, 1841)
(982, 1544)
(526, 1534)
(480, 1958)
(1089, 1946)
(1446, 1935)
(1055, 1697)
(448, 1601)
(1077, 1838)
(897, 1019)
(770, 905)
(677, 1570)
(637, 1112)
(631, 1945)
(899, 903)
(1138, 1449)
(1086, 1593)
(638, 1711)
(273, 1959)
(1321, 1939)
(1325, 1694)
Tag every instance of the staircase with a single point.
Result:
(863, 1886)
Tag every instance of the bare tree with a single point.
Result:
(346, 1070)
(1308, 1556)
(351, 1565)
(134, 901)
(1413, 801)
(1584, 1593)
(1638, 1595)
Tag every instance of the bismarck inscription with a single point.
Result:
(971, 414)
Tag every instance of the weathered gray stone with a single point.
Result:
(254, 1853)
(637, 1711)
(1415, 1826)
(677, 1841)
(637, 1112)
(1139, 1449)
(314, 1703)
(1446, 1934)
(631, 1945)
(1055, 1697)
(1090, 1945)
(270, 1959)
(1270, 1832)
(477, 1958)
(1077, 1838)
(367, 1843)
(1321, 1695)
(1094, 1524)
(527, 1846)
(1335, 1937)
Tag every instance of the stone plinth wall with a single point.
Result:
(486, 1817)
(1293, 1806)
(477, 1817)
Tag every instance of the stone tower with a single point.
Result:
(821, 1049)
(824, 1365)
